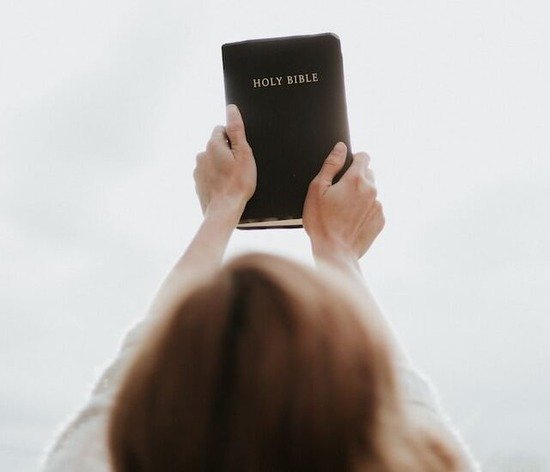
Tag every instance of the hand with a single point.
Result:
(225, 174)
(344, 217)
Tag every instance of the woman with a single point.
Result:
(264, 363)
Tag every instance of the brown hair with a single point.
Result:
(267, 365)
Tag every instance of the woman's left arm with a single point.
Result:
(225, 178)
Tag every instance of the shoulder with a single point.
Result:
(81, 444)
(424, 406)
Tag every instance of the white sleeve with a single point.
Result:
(82, 446)
(421, 395)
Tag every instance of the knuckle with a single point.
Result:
(369, 174)
(314, 183)
(235, 127)
(243, 149)
(211, 144)
(378, 214)
(359, 159)
(360, 156)
(382, 220)
(365, 188)
(373, 189)
(331, 162)
(364, 157)
(370, 191)
(199, 157)
(358, 181)
(247, 148)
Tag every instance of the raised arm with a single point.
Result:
(342, 221)
(225, 179)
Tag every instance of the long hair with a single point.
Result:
(267, 366)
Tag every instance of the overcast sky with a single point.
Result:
(104, 105)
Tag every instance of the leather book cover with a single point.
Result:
(291, 94)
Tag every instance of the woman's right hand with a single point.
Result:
(345, 217)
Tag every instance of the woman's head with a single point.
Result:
(266, 365)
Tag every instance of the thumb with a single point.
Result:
(333, 163)
(235, 128)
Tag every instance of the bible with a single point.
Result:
(291, 94)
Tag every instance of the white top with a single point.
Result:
(81, 446)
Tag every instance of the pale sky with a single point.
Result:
(104, 105)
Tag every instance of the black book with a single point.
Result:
(290, 92)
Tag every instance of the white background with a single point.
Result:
(104, 105)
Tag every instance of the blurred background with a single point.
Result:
(104, 105)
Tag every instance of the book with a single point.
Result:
(290, 91)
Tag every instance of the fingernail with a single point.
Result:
(232, 109)
(340, 147)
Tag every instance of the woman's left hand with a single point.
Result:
(225, 174)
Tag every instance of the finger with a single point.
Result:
(219, 136)
(333, 164)
(378, 214)
(218, 140)
(361, 161)
(235, 128)
(369, 174)
(375, 207)
(199, 157)
(358, 167)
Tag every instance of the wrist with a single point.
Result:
(226, 210)
(335, 254)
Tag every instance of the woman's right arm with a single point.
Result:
(418, 392)
(342, 221)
